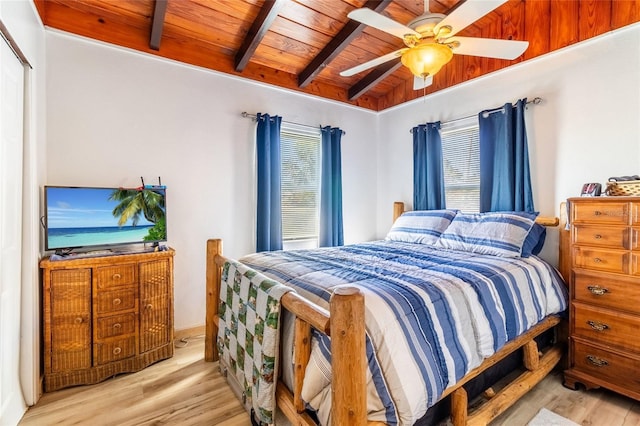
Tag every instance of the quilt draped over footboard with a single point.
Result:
(431, 315)
(248, 334)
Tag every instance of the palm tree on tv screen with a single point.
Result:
(134, 204)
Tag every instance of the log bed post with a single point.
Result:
(214, 275)
(348, 395)
(398, 209)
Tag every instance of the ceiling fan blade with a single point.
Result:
(465, 15)
(420, 83)
(373, 63)
(489, 47)
(381, 22)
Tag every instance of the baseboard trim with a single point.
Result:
(187, 333)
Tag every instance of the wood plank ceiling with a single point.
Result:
(303, 45)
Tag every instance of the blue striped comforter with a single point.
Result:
(432, 315)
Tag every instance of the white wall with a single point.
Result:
(586, 130)
(115, 115)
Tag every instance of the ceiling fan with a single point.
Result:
(430, 41)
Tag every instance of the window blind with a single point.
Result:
(461, 161)
(300, 151)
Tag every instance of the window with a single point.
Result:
(461, 161)
(300, 149)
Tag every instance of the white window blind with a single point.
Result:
(461, 161)
(300, 150)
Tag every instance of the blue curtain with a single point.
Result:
(505, 182)
(331, 232)
(428, 172)
(269, 214)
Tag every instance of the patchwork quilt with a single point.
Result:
(248, 334)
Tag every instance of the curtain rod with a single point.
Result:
(534, 101)
(245, 114)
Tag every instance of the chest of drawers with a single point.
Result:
(604, 340)
(105, 315)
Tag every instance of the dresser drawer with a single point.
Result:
(118, 275)
(608, 291)
(116, 300)
(600, 212)
(114, 350)
(618, 368)
(117, 325)
(601, 260)
(602, 236)
(605, 326)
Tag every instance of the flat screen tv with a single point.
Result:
(91, 218)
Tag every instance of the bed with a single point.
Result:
(458, 312)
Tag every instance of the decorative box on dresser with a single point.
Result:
(105, 315)
(604, 318)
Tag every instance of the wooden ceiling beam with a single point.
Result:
(373, 78)
(256, 33)
(159, 10)
(346, 35)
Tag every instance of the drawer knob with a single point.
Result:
(116, 351)
(597, 236)
(117, 276)
(597, 260)
(78, 320)
(597, 290)
(117, 301)
(149, 306)
(117, 326)
(598, 362)
(597, 326)
(597, 213)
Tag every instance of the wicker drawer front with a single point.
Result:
(606, 327)
(71, 343)
(601, 260)
(118, 325)
(115, 350)
(602, 212)
(602, 236)
(613, 367)
(608, 291)
(116, 300)
(154, 323)
(71, 292)
(119, 275)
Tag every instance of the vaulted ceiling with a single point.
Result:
(303, 45)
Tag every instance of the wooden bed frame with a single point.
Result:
(344, 322)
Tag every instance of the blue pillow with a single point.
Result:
(421, 226)
(535, 240)
(495, 233)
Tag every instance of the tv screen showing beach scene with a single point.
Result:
(79, 217)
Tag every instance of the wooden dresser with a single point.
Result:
(105, 315)
(604, 328)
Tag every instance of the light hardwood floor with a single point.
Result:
(184, 390)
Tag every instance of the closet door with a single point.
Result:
(11, 146)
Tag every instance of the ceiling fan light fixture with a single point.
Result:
(426, 59)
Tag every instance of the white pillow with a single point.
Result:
(496, 233)
(421, 226)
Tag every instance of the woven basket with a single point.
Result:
(622, 188)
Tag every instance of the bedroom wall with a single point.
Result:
(585, 130)
(114, 115)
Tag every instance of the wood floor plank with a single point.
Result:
(186, 391)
